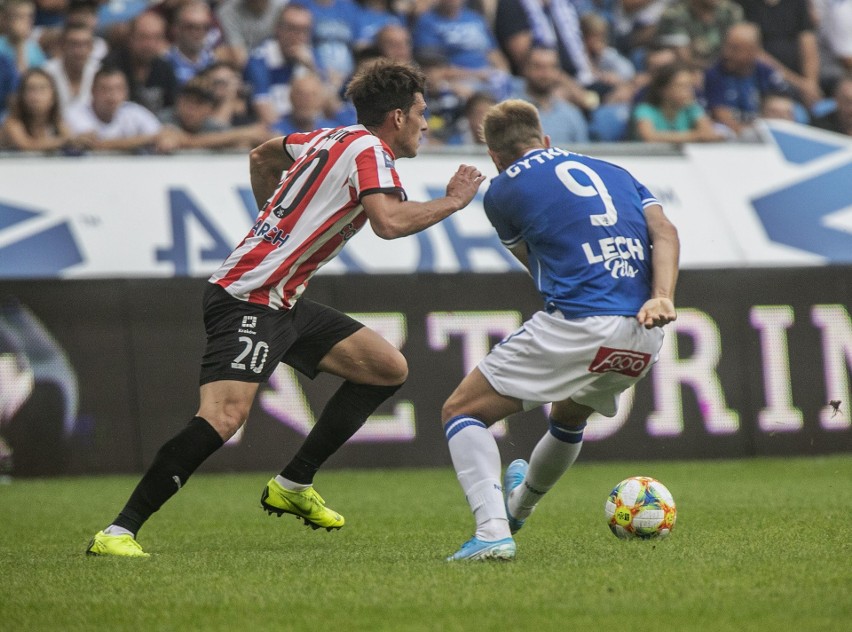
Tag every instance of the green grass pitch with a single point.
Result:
(762, 544)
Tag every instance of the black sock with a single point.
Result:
(346, 411)
(174, 463)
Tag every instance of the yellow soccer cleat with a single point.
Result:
(307, 505)
(117, 545)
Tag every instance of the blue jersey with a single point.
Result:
(583, 222)
(464, 40)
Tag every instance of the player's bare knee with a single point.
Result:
(393, 371)
(228, 419)
(453, 407)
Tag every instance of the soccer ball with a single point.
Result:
(640, 507)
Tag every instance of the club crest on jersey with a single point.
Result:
(624, 361)
(616, 253)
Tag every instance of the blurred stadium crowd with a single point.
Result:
(170, 75)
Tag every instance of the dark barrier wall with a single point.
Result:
(95, 375)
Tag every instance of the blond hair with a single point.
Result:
(511, 128)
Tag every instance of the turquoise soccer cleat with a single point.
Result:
(476, 549)
(514, 476)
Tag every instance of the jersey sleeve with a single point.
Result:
(645, 195)
(375, 173)
(297, 143)
(508, 234)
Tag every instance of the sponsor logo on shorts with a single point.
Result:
(248, 325)
(624, 361)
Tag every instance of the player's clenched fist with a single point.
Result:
(464, 184)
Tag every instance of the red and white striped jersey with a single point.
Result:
(313, 212)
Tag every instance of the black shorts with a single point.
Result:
(245, 341)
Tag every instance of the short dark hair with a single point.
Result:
(660, 80)
(197, 89)
(478, 97)
(108, 70)
(382, 87)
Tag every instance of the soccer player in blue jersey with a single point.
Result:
(605, 259)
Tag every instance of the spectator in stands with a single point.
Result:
(394, 43)
(8, 82)
(114, 122)
(834, 32)
(469, 127)
(275, 63)
(50, 17)
(35, 119)
(74, 68)
(374, 15)
(462, 37)
(696, 28)
(521, 24)
(655, 58)
(410, 10)
(336, 24)
(445, 98)
(560, 120)
(671, 113)
(613, 73)
(839, 120)
(736, 85)
(778, 107)
(85, 13)
(16, 35)
(789, 42)
(634, 25)
(190, 125)
(308, 98)
(150, 77)
(115, 19)
(191, 52)
(231, 107)
(246, 24)
(340, 109)
(50, 13)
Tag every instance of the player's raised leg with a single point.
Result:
(223, 410)
(526, 484)
(466, 415)
(373, 371)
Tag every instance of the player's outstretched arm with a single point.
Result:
(267, 162)
(659, 310)
(391, 218)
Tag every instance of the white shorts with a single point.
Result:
(590, 360)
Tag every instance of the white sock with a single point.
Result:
(286, 483)
(555, 452)
(116, 530)
(477, 462)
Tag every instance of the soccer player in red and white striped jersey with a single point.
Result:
(315, 191)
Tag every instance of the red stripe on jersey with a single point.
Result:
(249, 259)
(305, 272)
(257, 254)
(332, 168)
(275, 278)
